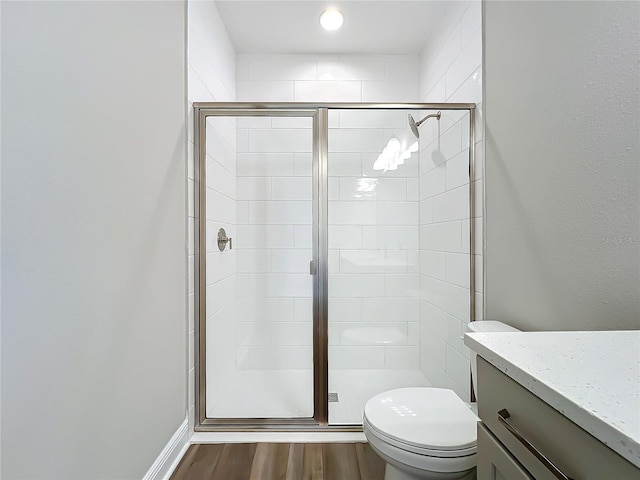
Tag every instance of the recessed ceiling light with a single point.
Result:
(331, 19)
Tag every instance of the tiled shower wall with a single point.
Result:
(221, 278)
(373, 237)
(328, 78)
(451, 71)
(274, 295)
(373, 245)
(211, 77)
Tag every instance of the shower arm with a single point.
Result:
(414, 126)
(432, 115)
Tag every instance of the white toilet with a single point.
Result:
(424, 432)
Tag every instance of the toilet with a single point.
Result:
(424, 432)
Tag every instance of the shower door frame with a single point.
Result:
(319, 112)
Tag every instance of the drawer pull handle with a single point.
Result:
(502, 418)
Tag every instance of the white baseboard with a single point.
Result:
(171, 454)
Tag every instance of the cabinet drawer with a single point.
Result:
(575, 452)
(494, 462)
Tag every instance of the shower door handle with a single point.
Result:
(313, 267)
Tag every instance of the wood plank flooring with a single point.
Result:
(280, 461)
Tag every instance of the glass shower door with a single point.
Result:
(373, 241)
(327, 273)
(259, 291)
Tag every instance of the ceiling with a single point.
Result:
(370, 27)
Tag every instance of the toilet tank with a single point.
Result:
(484, 326)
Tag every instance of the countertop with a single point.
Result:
(592, 378)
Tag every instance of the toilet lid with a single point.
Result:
(433, 419)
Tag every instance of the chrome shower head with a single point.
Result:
(415, 125)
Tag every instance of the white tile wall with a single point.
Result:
(212, 77)
(345, 164)
(298, 188)
(265, 164)
(400, 213)
(356, 357)
(457, 269)
(383, 119)
(344, 213)
(327, 91)
(357, 333)
(265, 236)
(373, 232)
(373, 261)
(253, 261)
(265, 91)
(376, 269)
(388, 91)
(281, 357)
(356, 140)
(285, 213)
(357, 285)
(293, 333)
(354, 70)
(451, 205)
(390, 309)
(401, 285)
(281, 70)
(290, 261)
(390, 237)
(401, 357)
(279, 139)
(343, 310)
(268, 310)
(221, 267)
(258, 285)
(274, 231)
(221, 338)
(327, 78)
(218, 294)
(451, 71)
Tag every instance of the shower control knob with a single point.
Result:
(223, 240)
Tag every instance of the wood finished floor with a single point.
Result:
(280, 461)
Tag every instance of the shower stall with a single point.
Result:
(334, 249)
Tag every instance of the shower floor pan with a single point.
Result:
(284, 393)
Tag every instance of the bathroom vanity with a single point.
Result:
(558, 405)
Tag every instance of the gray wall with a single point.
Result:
(93, 247)
(562, 105)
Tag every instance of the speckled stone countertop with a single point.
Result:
(592, 378)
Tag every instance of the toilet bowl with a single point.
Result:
(424, 432)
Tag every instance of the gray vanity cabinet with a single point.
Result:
(512, 417)
(495, 463)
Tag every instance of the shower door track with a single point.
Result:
(319, 113)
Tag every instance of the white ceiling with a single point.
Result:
(370, 27)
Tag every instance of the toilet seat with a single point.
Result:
(432, 422)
